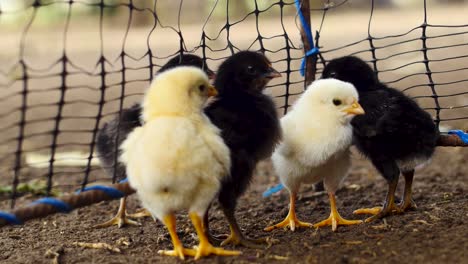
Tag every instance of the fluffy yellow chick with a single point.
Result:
(316, 137)
(177, 159)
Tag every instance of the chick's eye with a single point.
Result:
(201, 88)
(337, 102)
(251, 70)
(332, 74)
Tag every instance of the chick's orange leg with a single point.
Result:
(407, 202)
(291, 220)
(179, 250)
(204, 247)
(121, 218)
(335, 218)
(388, 208)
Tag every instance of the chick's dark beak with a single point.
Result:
(271, 73)
(355, 109)
(212, 91)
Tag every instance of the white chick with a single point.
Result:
(177, 159)
(316, 137)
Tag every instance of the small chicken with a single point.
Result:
(177, 159)
(395, 133)
(316, 137)
(250, 128)
(114, 132)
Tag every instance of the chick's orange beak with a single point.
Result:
(212, 91)
(355, 109)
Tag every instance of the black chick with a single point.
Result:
(249, 127)
(114, 132)
(395, 133)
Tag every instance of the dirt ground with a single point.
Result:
(433, 233)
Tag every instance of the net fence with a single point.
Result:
(67, 67)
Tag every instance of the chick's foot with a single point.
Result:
(205, 248)
(379, 212)
(238, 239)
(372, 211)
(388, 208)
(140, 214)
(336, 221)
(291, 220)
(120, 219)
(407, 204)
(335, 218)
(179, 252)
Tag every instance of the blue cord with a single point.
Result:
(60, 205)
(111, 192)
(273, 190)
(461, 134)
(10, 218)
(314, 50)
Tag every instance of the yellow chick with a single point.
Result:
(317, 134)
(177, 159)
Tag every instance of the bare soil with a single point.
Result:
(433, 233)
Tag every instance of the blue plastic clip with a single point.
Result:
(273, 190)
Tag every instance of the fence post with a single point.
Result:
(311, 61)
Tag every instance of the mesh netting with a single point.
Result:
(69, 66)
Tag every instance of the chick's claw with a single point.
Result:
(180, 252)
(120, 219)
(290, 221)
(407, 204)
(206, 249)
(335, 218)
(140, 214)
(335, 221)
(240, 240)
(372, 211)
(379, 212)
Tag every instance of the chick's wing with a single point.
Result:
(162, 152)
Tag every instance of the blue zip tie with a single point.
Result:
(111, 192)
(60, 205)
(10, 218)
(314, 50)
(461, 134)
(273, 190)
